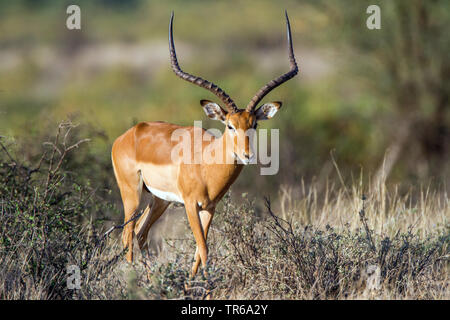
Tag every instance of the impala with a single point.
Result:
(142, 160)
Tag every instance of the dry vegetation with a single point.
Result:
(327, 244)
(367, 94)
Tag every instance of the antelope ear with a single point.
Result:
(267, 110)
(213, 110)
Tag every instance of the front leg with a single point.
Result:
(192, 211)
(205, 218)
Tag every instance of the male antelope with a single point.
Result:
(142, 157)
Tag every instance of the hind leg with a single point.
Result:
(130, 186)
(130, 200)
(150, 216)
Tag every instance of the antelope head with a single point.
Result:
(240, 124)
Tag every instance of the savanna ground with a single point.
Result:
(348, 242)
(367, 118)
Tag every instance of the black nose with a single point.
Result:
(248, 156)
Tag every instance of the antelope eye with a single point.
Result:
(230, 127)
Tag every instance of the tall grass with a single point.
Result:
(315, 242)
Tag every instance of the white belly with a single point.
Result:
(160, 178)
(168, 196)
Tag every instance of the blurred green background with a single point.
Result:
(370, 99)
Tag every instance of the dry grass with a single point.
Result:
(315, 242)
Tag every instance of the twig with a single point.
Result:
(6, 151)
(362, 215)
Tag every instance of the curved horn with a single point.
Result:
(281, 79)
(231, 106)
